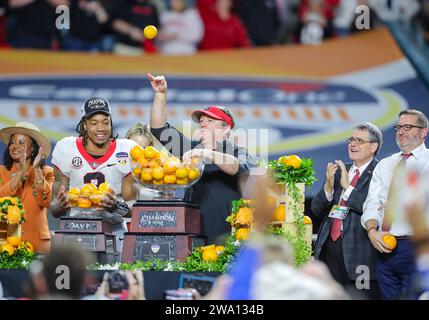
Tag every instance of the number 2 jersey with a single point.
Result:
(71, 158)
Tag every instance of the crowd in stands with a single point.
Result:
(186, 26)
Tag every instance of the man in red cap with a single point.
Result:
(226, 163)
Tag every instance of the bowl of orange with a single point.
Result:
(158, 170)
(88, 196)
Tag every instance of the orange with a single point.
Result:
(390, 241)
(87, 189)
(210, 255)
(170, 179)
(182, 181)
(293, 161)
(26, 245)
(279, 213)
(282, 159)
(74, 191)
(307, 220)
(84, 203)
(96, 197)
(13, 215)
(150, 32)
(193, 174)
(146, 175)
(143, 162)
(170, 166)
(150, 152)
(14, 241)
(242, 234)
(136, 152)
(104, 187)
(244, 216)
(211, 246)
(137, 172)
(158, 182)
(8, 248)
(158, 173)
(182, 173)
(73, 195)
(155, 163)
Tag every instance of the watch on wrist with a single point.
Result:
(122, 208)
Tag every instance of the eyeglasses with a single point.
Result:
(357, 140)
(406, 127)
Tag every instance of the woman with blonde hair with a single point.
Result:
(141, 134)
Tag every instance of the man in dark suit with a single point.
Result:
(342, 242)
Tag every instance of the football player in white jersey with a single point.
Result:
(96, 156)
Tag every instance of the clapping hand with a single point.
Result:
(40, 157)
(345, 183)
(331, 169)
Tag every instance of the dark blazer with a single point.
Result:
(357, 249)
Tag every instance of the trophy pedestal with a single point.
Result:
(165, 230)
(92, 233)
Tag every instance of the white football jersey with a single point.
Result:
(71, 158)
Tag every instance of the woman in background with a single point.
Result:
(24, 175)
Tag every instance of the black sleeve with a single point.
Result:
(174, 141)
(245, 161)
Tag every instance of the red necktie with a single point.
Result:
(336, 224)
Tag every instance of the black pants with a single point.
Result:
(332, 256)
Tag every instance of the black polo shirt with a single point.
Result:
(215, 190)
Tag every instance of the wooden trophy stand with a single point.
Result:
(94, 234)
(164, 230)
(289, 225)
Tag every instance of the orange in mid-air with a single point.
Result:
(150, 32)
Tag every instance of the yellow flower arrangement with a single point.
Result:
(11, 210)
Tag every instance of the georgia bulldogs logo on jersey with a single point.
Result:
(77, 163)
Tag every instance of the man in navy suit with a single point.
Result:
(342, 242)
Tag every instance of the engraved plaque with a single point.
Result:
(80, 225)
(146, 249)
(157, 219)
(89, 241)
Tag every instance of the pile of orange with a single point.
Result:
(292, 161)
(87, 196)
(211, 253)
(15, 243)
(157, 167)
